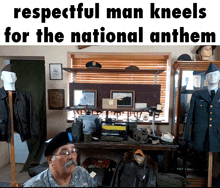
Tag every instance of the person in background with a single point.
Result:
(63, 171)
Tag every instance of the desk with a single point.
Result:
(103, 145)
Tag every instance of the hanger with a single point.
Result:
(138, 151)
(139, 156)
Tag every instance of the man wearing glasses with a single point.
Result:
(63, 171)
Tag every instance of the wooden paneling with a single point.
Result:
(197, 182)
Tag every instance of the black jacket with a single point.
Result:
(203, 122)
(26, 121)
(129, 173)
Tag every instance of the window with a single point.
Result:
(121, 61)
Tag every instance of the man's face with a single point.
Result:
(63, 163)
(206, 51)
(213, 77)
(9, 77)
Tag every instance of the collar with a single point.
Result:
(3, 94)
(52, 181)
(216, 89)
(206, 96)
(129, 157)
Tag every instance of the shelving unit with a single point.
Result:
(112, 110)
(94, 70)
(153, 64)
(180, 67)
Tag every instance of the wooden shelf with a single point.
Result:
(102, 146)
(125, 145)
(101, 109)
(194, 65)
(93, 70)
(117, 111)
(113, 110)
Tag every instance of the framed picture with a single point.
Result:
(85, 98)
(125, 98)
(56, 72)
(56, 99)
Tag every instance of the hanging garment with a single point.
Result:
(103, 168)
(203, 122)
(131, 171)
(26, 122)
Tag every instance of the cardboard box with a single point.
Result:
(109, 103)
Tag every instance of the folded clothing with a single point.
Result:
(171, 180)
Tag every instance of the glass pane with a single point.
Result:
(191, 81)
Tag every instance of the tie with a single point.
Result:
(212, 93)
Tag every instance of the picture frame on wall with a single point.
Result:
(56, 72)
(125, 98)
(85, 98)
(56, 100)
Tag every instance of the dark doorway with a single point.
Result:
(31, 79)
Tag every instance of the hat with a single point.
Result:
(200, 47)
(184, 57)
(8, 68)
(93, 64)
(59, 140)
(132, 67)
(212, 68)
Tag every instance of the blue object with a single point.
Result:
(70, 137)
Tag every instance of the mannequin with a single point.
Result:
(202, 126)
(9, 79)
(26, 121)
(213, 80)
(205, 52)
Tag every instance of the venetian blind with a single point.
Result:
(83, 77)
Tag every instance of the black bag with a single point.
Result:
(104, 169)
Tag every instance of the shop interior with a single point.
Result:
(113, 100)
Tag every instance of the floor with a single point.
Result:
(5, 174)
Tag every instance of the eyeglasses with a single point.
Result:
(66, 152)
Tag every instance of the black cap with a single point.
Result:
(200, 47)
(8, 68)
(184, 57)
(212, 68)
(132, 67)
(93, 64)
(59, 140)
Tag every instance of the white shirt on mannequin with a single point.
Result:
(213, 80)
(9, 79)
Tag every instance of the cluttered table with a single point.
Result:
(100, 146)
(125, 145)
